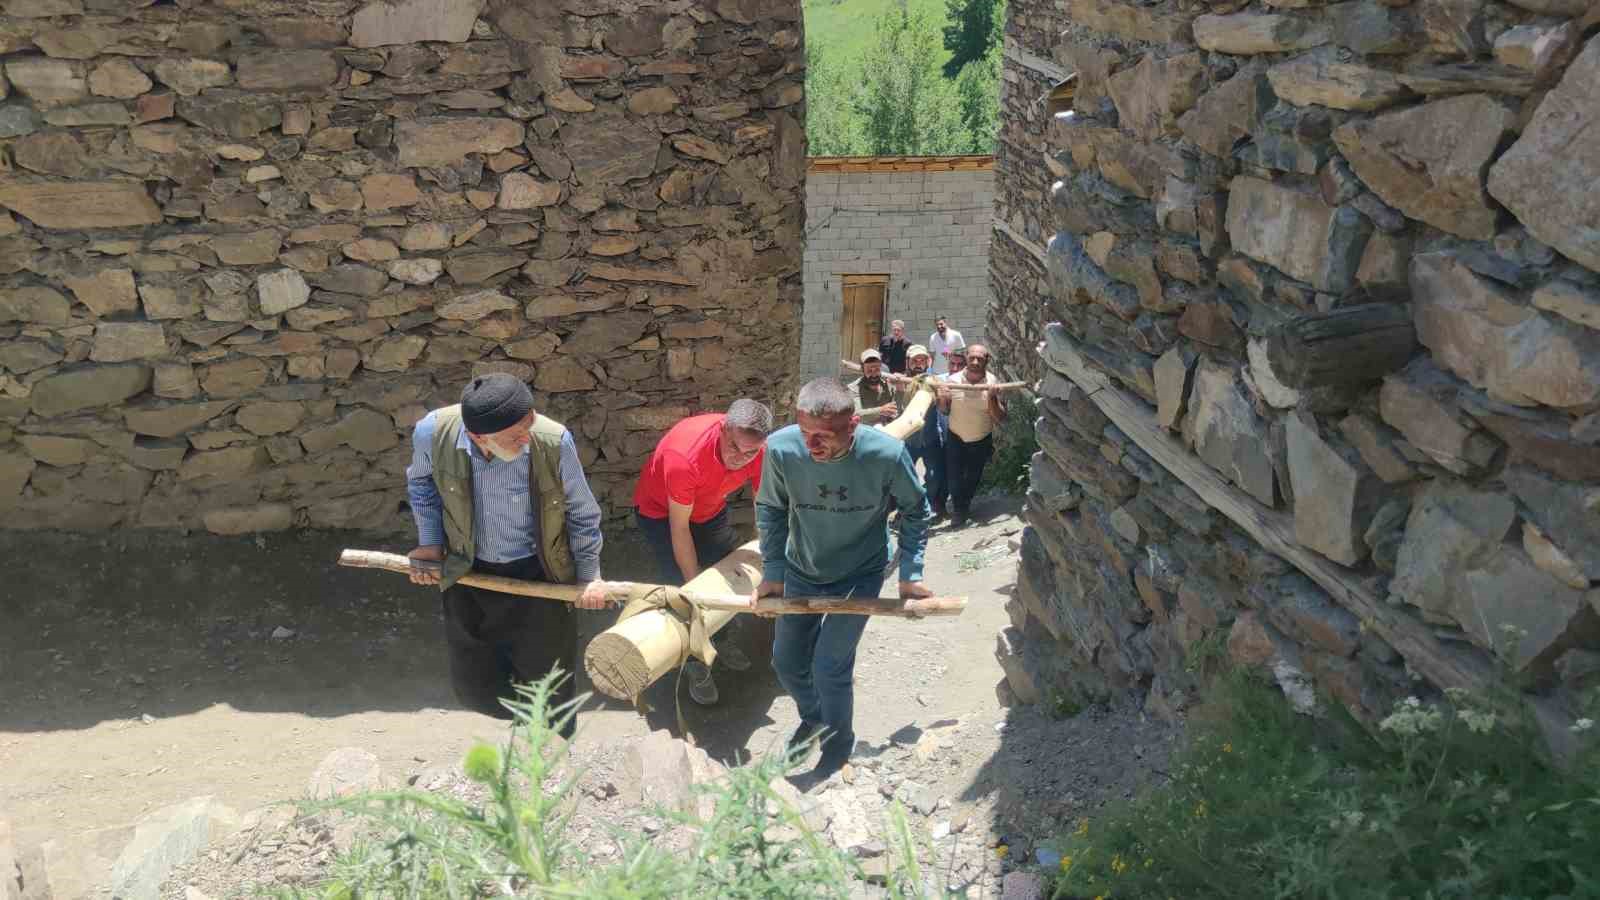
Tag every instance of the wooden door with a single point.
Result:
(861, 319)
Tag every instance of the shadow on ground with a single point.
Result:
(105, 627)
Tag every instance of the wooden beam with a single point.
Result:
(1033, 248)
(856, 164)
(1348, 346)
(1035, 62)
(1274, 530)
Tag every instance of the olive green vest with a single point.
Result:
(452, 474)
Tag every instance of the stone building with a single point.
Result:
(245, 244)
(893, 238)
(1318, 288)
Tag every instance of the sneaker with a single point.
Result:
(702, 687)
(733, 659)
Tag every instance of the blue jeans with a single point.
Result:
(934, 478)
(815, 658)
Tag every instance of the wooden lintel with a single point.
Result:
(1272, 529)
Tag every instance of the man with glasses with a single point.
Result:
(970, 440)
(682, 508)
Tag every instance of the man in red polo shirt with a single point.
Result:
(682, 507)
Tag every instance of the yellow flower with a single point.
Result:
(1200, 810)
(1228, 747)
(1083, 828)
(1117, 865)
(1147, 862)
(1000, 851)
(1066, 863)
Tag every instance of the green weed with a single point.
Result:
(1446, 799)
(754, 844)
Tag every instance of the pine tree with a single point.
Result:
(970, 32)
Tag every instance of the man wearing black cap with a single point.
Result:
(498, 489)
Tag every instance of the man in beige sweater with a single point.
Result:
(973, 417)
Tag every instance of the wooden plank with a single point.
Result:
(858, 164)
(1274, 530)
(865, 279)
(1034, 62)
(1033, 248)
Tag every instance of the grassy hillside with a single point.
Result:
(843, 28)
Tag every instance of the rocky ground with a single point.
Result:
(971, 774)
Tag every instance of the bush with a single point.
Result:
(1445, 800)
(1015, 442)
(514, 844)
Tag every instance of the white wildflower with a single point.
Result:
(1478, 722)
(1501, 797)
(1582, 725)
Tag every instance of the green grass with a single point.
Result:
(843, 28)
(1447, 799)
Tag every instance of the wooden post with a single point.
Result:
(1347, 346)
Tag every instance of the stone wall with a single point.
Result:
(250, 242)
(928, 229)
(1325, 383)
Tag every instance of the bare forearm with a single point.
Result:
(683, 551)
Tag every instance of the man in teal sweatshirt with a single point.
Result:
(823, 514)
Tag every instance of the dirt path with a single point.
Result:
(140, 672)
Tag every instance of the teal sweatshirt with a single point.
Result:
(823, 522)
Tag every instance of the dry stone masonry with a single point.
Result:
(246, 243)
(1315, 293)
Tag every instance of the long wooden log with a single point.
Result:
(910, 420)
(628, 657)
(624, 592)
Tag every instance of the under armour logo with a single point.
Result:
(841, 492)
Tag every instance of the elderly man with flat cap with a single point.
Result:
(498, 489)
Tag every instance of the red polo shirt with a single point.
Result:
(686, 469)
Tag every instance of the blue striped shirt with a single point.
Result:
(504, 523)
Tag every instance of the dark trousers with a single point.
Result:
(499, 640)
(713, 539)
(963, 463)
(815, 658)
(933, 448)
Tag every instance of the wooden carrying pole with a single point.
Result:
(952, 385)
(624, 592)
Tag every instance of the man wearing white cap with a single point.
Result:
(874, 396)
